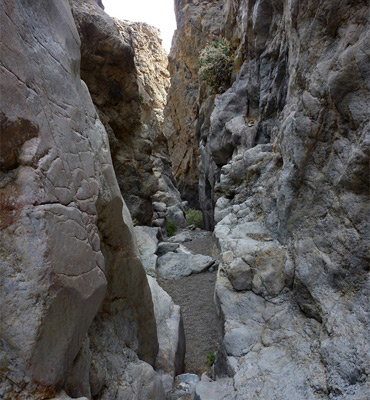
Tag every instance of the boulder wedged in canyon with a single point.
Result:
(67, 244)
(125, 68)
(285, 153)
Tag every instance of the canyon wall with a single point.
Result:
(76, 308)
(197, 24)
(284, 174)
(125, 68)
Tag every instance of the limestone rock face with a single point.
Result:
(125, 68)
(171, 336)
(147, 240)
(67, 242)
(198, 22)
(285, 152)
(175, 265)
(108, 68)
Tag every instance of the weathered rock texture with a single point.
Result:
(67, 242)
(286, 149)
(171, 336)
(125, 68)
(198, 23)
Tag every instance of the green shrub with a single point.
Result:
(171, 227)
(216, 64)
(210, 359)
(194, 217)
(141, 98)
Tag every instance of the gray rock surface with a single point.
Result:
(176, 214)
(184, 386)
(165, 247)
(181, 237)
(223, 389)
(116, 371)
(78, 381)
(177, 265)
(63, 396)
(125, 68)
(198, 23)
(285, 152)
(67, 243)
(147, 241)
(171, 337)
(52, 188)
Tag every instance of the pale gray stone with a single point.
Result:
(147, 240)
(176, 214)
(177, 265)
(165, 247)
(53, 272)
(159, 207)
(185, 384)
(70, 242)
(78, 380)
(181, 237)
(240, 274)
(63, 396)
(221, 389)
(171, 336)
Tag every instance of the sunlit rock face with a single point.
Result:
(285, 153)
(198, 23)
(67, 246)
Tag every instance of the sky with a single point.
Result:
(159, 13)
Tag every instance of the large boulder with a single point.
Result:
(176, 265)
(147, 240)
(67, 241)
(171, 336)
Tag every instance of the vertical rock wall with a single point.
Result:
(67, 246)
(285, 152)
(125, 69)
(198, 22)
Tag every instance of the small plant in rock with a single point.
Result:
(171, 227)
(141, 98)
(216, 64)
(194, 217)
(210, 358)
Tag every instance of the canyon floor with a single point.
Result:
(195, 295)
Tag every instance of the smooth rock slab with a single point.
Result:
(63, 396)
(181, 237)
(147, 241)
(166, 247)
(222, 389)
(171, 336)
(177, 265)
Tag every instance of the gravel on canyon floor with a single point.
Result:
(194, 294)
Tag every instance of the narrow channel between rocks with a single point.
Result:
(195, 295)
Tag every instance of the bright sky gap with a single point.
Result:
(159, 13)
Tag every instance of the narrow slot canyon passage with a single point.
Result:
(121, 149)
(195, 295)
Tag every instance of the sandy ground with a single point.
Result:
(194, 294)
